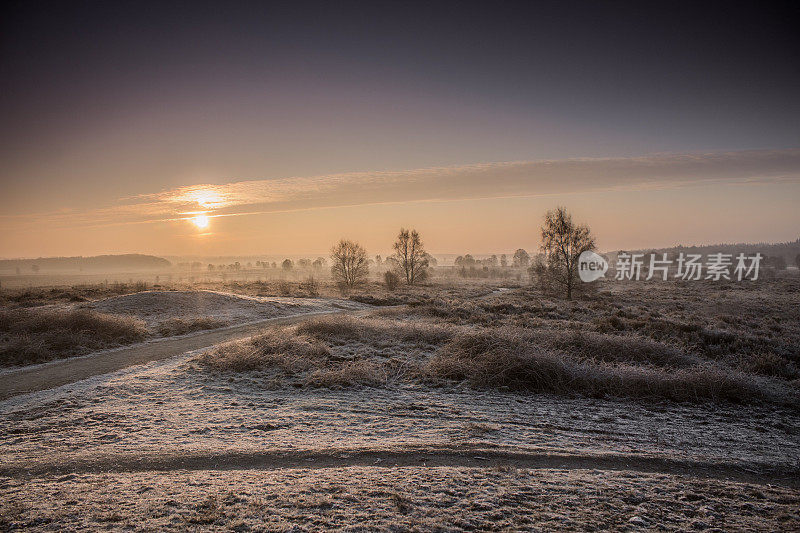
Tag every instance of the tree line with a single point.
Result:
(410, 263)
(562, 243)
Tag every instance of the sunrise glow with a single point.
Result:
(201, 221)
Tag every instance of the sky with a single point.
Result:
(277, 128)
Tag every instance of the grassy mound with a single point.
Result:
(30, 336)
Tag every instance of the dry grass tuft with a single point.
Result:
(350, 374)
(498, 359)
(278, 348)
(335, 352)
(342, 329)
(30, 336)
(587, 345)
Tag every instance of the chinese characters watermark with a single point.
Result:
(685, 266)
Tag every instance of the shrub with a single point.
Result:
(391, 280)
(288, 352)
(310, 286)
(284, 288)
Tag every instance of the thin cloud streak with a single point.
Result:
(481, 181)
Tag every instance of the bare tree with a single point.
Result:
(521, 258)
(349, 263)
(411, 256)
(466, 261)
(562, 242)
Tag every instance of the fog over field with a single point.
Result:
(399, 267)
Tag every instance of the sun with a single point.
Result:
(201, 221)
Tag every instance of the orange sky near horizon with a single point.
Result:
(649, 201)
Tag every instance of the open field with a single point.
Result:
(45, 324)
(446, 406)
(678, 342)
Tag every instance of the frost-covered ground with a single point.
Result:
(92, 446)
(395, 499)
(157, 307)
(175, 408)
(176, 445)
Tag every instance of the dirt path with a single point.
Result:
(62, 372)
(426, 456)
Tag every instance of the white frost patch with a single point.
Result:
(154, 307)
(172, 407)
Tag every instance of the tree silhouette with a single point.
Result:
(562, 242)
(349, 263)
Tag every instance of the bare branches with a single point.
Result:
(349, 263)
(411, 256)
(562, 243)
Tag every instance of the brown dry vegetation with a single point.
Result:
(33, 296)
(38, 335)
(373, 292)
(675, 341)
(504, 498)
(46, 323)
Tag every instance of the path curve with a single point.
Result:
(64, 371)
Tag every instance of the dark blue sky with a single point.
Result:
(112, 94)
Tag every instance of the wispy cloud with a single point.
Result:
(490, 180)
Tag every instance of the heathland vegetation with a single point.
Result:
(38, 335)
(438, 327)
(636, 340)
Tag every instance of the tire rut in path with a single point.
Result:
(424, 457)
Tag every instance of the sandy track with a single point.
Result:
(425, 456)
(66, 371)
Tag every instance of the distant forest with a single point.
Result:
(786, 250)
(98, 262)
